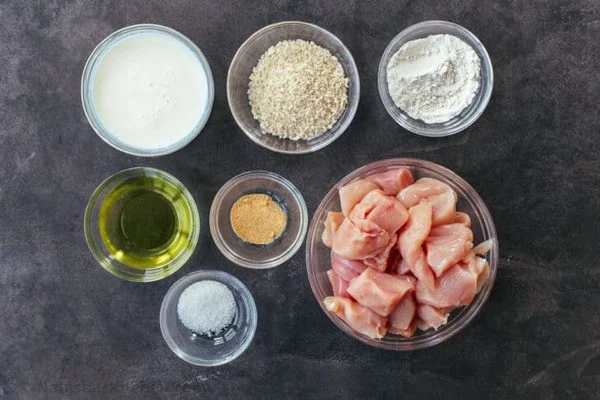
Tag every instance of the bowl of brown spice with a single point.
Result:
(258, 220)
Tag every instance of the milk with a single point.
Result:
(150, 91)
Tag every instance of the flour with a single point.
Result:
(435, 78)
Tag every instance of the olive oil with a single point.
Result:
(145, 222)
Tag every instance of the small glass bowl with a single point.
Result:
(104, 257)
(470, 114)
(259, 256)
(246, 59)
(202, 350)
(87, 83)
(318, 256)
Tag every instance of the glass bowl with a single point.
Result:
(188, 224)
(246, 59)
(318, 255)
(470, 114)
(199, 349)
(87, 83)
(259, 256)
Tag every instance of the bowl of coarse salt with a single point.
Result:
(435, 78)
(293, 87)
(208, 318)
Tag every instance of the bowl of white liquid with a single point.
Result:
(147, 90)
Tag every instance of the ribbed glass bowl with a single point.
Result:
(470, 114)
(102, 254)
(318, 255)
(209, 351)
(246, 59)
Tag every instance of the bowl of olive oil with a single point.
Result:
(142, 224)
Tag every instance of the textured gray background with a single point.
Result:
(69, 329)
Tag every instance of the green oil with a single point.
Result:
(145, 222)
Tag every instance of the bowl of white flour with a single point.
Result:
(435, 78)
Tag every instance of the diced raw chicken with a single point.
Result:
(332, 223)
(357, 316)
(379, 291)
(431, 317)
(357, 241)
(385, 211)
(462, 218)
(402, 268)
(346, 269)
(455, 288)
(446, 245)
(411, 238)
(393, 181)
(339, 286)
(441, 197)
(479, 266)
(484, 275)
(483, 248)
(381, 260)
(353, 193)
(400, 320)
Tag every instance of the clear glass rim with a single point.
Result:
(196, 276)
(432, 130)
(128, 273)
(220, 242)
(466, 314)
(88, 108)
(352, 103)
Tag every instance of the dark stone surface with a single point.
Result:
(68, 329)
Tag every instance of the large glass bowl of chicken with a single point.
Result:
(402, 254)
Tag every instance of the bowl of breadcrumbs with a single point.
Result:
(293, 87)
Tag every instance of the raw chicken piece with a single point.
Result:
(411, 238)
(403, 268)
(441, 197)
(455, 288)
(381, 260)
(479, 266)
(332, 223)
(483, 248)
(359, 241)
(385, 211)
(379, 291)
(462, 218)
(446, 245)
(339, 286)
(346, 269)
(393, 181)
(399, 321)
(431, 317)
(353, 193)
(358, 317)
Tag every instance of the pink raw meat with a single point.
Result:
(455, 288)
(431, 317)
(359, 241)
(380, 261)
(393, 181)
(479, 266)
(353, 193)
(446, 245)
(400, 320)
(346, 269)
(358, 317)
(441, 197)
(339, 286)
(462, 218)
(332, 223)
(385, 211)
(411, 238)
(379, 291)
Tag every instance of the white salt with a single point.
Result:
(206, 307)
